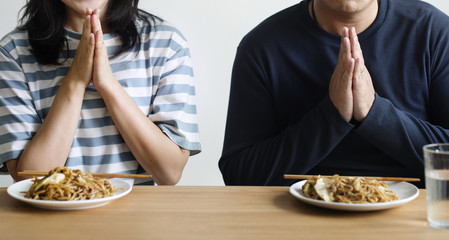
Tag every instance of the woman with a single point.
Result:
(99, 86)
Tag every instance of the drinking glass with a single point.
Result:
(436, 158)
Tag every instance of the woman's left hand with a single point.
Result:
(102, 76)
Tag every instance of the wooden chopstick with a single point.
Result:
(397, 179)
(29, 173)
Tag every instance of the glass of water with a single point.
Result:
(436, 158)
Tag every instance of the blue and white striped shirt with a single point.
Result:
(158, 77)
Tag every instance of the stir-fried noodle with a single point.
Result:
(64, 184)
(348, 190)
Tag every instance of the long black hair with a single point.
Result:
(45, 19)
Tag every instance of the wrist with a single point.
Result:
(73, 88)
(108, 88)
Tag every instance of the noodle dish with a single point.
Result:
(348, 190)
(65, 184)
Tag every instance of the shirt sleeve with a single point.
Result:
(401, 134)
(174, 108)
(19, 120)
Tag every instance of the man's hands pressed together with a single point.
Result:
(351, 88)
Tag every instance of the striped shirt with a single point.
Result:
(158, 77)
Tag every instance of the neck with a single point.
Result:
(75, 21)
(353, 13)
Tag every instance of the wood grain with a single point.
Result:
(214, 212)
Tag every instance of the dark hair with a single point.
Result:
(45, 19)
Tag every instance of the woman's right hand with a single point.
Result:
(82, 65)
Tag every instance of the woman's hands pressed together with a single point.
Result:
(351, 89)
(91, 62)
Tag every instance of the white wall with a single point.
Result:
(213, 29)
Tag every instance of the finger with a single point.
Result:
(96, 24)
(88, 21)
(91, 42)
(97, 11)
(99, 42)
(354, 41)
(346, 56)
(345, 32)
(88, 11)
(358, 69)
(100, 49)
(346, 44)
(355, 46)
(349, 72)
(87, 27)
(341, 55)
(101, 52)
(88, 37)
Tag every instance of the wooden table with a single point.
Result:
(156, 212)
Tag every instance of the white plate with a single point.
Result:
(406, 192)
(18, 189)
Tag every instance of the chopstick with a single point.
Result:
(396, 179)
(101, 175)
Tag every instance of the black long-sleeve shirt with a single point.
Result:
(281, 120)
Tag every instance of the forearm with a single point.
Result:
(400, 134)
(52, 143)
(296, 149)
(154, 150)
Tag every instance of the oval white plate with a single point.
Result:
(18, 189)
(406, 191)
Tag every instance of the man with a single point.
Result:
(349, 87)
